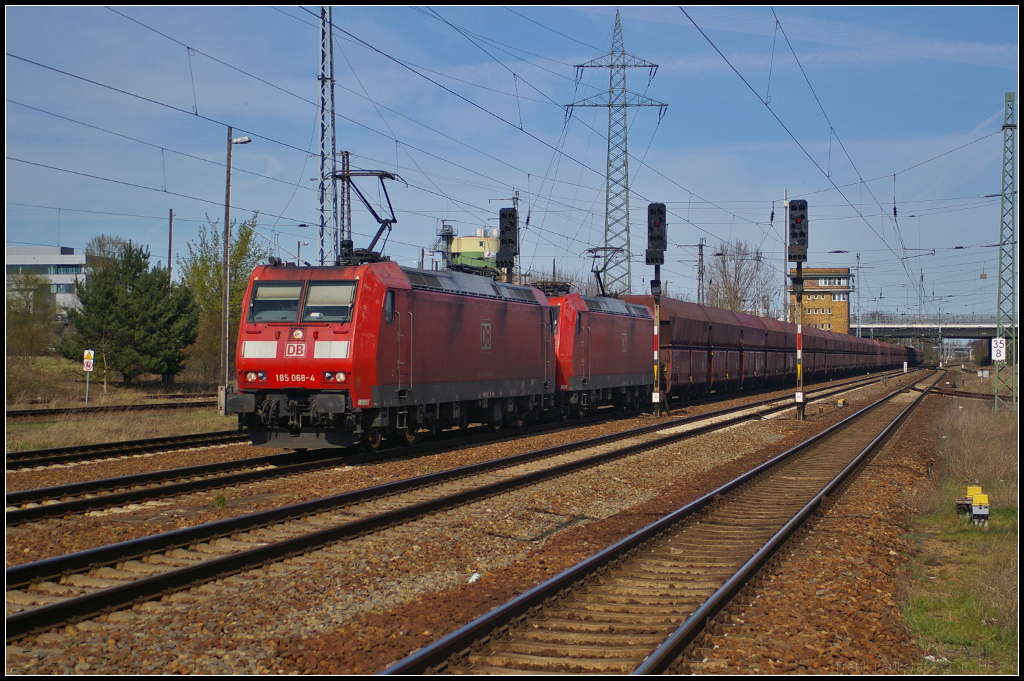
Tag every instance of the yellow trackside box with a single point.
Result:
(979, 500)
(973, 489)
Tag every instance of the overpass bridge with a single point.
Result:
(888, 325)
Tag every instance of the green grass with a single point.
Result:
(961, 585)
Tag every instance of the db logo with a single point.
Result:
(485, 335)
(295, 350)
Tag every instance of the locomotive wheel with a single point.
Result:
(372, 439)
(410, 437)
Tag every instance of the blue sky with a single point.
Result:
(466, 105)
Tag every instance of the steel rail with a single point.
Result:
(475, 635)
(662, 657)
(962, 393)
(278, 463)
(40, 457)
(78, 411)
(281, 469)
(48, 616)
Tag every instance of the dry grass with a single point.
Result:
(980, 447)
(69, 431)
(55, 382)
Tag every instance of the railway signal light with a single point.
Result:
(508, 237)
(798, 231)
(657, 234)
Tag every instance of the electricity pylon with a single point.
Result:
(618, 273)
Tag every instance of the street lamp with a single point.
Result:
(225, 317)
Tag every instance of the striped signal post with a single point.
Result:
(657, 242)
(798, 287)
(797, 252)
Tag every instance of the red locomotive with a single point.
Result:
(333, 356)
(328, 356)
(605, 352)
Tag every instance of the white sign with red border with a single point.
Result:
(87, 360)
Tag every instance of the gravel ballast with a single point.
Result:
(357, 606)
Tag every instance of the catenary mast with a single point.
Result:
(328, 165)
(1006, 294)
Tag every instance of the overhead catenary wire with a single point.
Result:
(797, 142)
(548, 184)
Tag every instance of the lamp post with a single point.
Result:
(225, 317)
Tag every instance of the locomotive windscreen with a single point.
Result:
(275, 302)
(329, 301)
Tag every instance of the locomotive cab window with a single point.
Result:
(275, 302)
(389, 307)
(329, 301)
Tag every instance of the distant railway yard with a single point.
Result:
(316, 564)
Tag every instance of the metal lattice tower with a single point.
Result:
(618, 273)
(1006, 295)
(328, 165)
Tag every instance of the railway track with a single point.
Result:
(635, 607)
(105, 450)
(81, 453)
(48, 593)
(54, 502)
(976, 396)
(87, 411)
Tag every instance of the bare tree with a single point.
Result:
(579, 282)
(740, 280)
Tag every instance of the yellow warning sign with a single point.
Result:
(89, 354)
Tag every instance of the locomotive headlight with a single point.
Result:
(298, 334)
(256, 377)
(334, 376)
(251, 377)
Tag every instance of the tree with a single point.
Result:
(135, 320)
(202, 271)
(103, 249)
(31, 315)
(740, 279)
(981, 352)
